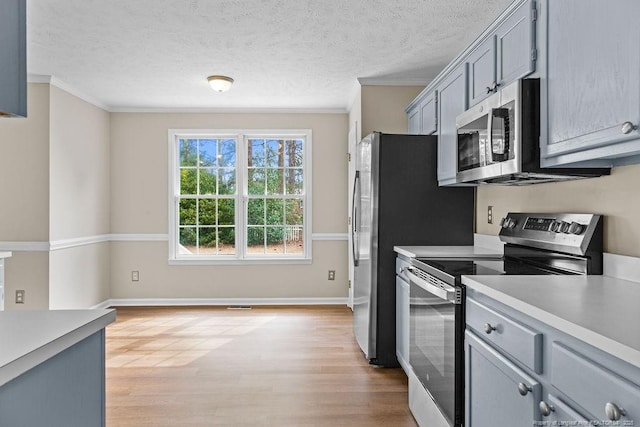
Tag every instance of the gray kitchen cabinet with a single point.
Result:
(402, 313)
(577, 382)
(422, 114)
(593, 89)
(414, 125)
(13, 58)
(452, 100)
(498, 393)
(507, 54)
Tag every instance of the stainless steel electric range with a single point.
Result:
(535, 244)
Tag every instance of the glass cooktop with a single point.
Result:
(483, 267)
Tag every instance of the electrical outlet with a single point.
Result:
(490, 214)
(332, 275)
(20, 296)
(135, 276)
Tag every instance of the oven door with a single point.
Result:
(436, 342)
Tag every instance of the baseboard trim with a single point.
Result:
(151, 302)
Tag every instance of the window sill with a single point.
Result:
(235, 261)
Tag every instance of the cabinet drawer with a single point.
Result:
(516, 339)
(401, 266)
(563, 412)
(592, 386)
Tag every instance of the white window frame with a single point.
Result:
(241, 256)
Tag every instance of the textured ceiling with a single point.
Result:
(156, 54)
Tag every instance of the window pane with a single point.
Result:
(188, 181)
(255, 212)
(255, 240)
(188, 152)
(294, 181)
(207, 240)
(256, 184)
(187, 212)
(294, 237)
(187, 240)
(275, 212)
(227, 240)
(208, 152)
(275, 181)
(227, 181)
(256, 153)
(206, 212)
(275, 240)
(293, 153)
(275, 153)
(226, 212)
(207, 181)
(294, 214)
(227, 155)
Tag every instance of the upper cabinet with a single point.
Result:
(508, 53)
(13, 58)
(452, 100)
(593, 82)
(422, 115)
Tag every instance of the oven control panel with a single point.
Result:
(563, 232)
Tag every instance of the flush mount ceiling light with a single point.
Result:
(220, 83)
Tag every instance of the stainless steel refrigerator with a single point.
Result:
(397, 202)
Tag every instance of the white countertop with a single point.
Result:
(599, 310)
(28, 338)
(5, 254)
(446, 251)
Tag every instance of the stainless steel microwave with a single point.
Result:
(498, 140)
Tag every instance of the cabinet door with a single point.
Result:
(498, 393)
(413, 121)
(452, 100)
(593, 85)
(482, 71)
(402, 322)
(428, 114)
(515, 39)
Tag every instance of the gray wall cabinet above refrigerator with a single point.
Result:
(13, 58)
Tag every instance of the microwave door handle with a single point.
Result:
(489, 159)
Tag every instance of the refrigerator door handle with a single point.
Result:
(354, 221)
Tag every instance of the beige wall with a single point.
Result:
(54, 169)
(24, 191)
(24, 171)
(616, 196)
(79, 168)
(79, 202)
(383, 108)
(139, 204)
(79, 277)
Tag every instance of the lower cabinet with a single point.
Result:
(572, 384)
(402, 318)
(498, 393)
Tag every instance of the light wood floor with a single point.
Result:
(268, 366)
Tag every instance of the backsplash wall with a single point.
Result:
(617, 197)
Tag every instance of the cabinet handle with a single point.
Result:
(488, 328)
(523, 389)
(627, 127)
(546, 409)
(613, 411)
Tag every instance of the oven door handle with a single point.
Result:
(444, 291)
